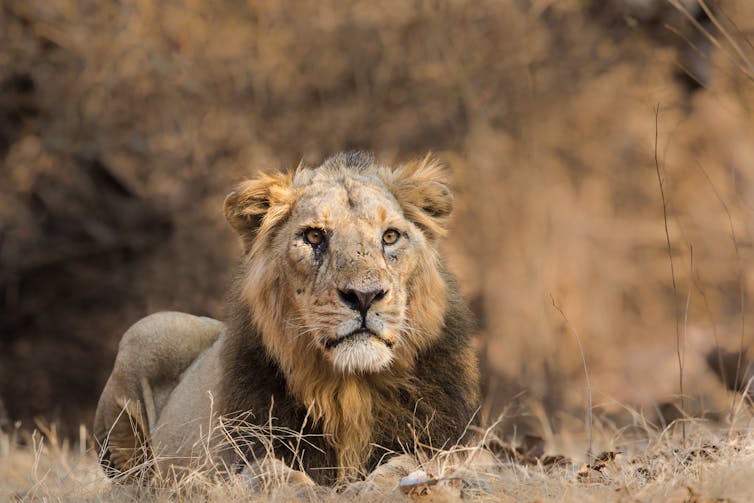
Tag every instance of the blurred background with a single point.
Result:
(124, 124)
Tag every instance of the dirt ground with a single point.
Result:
(122, 126)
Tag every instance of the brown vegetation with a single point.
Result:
(715, 467)
(123, 125)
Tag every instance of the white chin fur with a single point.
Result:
(361, 356)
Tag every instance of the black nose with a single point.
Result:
(360, 301)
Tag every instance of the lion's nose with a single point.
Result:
(360, 301)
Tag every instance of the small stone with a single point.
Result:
(416, 482)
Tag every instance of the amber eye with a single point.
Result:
(390, 236)
(314, 237)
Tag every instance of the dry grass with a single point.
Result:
(545, 114)
(637, 463)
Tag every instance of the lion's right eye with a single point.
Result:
(314, 237)
(391, 236)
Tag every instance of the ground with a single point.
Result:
(642, 464)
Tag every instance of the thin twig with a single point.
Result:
(739, 267)
(672, 274)
(588, 408)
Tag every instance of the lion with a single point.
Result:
(346, 337)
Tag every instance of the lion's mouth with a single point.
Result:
(363, 333)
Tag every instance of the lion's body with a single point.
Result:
(406, 379)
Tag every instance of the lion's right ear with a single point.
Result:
(421, 188)
(256, 206)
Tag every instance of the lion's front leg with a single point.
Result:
(389, 474)
(272, 473)
(385, 478)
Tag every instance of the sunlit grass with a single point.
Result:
(641, 463)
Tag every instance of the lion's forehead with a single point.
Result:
(334, 203)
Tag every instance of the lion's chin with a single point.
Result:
(363, 354)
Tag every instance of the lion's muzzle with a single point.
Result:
(359, 300)
(363, 333)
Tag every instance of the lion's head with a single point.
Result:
(341, 264)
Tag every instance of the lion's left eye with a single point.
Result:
(314, 236)
(391, 236)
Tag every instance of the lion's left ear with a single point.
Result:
(256, 206)
(421, 188)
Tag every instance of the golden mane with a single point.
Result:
(344, 404)
(358, 342)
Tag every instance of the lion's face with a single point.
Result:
(349, 255)
(344, 268)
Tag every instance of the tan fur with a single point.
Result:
(289, 321)
(150, 364)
